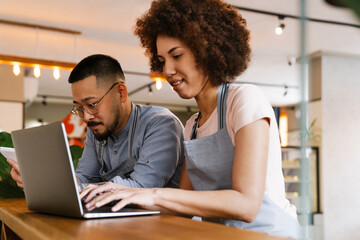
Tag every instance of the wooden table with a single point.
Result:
(18, 220)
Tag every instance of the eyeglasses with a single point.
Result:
(90, 108)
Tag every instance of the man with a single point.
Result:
(126, 143)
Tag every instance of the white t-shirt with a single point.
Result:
(245, 104)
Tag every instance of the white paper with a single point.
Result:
(8, 153)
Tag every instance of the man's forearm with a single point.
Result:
(126, 182)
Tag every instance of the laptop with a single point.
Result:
(48, 174)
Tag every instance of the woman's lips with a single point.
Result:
(176, 84)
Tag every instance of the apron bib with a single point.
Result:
(126, 167)
(209, 162)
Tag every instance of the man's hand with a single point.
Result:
(110, 192)
(94, 189)
(95, 196)
(15, 172)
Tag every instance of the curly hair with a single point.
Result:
(214, 31)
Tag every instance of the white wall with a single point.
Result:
(341, 146)
(11, 98)
(11, 116)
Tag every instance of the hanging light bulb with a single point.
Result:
(150, 90)
(280, 29)
(56, 73)
(158, 84)
(285, 90)
(157, 78)
(16, 69)
(37, 71)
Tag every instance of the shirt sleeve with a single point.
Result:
(88, 168)
(160, 153)
(246, 104)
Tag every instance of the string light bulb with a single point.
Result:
(150, 90)
(157, 78)
(280, 29)
(37, 71)
(56, 73)
(285, 90)
(16, 69)
(158, 84)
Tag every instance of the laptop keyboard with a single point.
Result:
(98, 210)
(105, 208)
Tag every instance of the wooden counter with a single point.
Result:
(27, 224)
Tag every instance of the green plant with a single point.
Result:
(76, 153)
(8, 187)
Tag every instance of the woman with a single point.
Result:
(232, 173)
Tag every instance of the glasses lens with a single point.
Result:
(75, 110)
(91, 109)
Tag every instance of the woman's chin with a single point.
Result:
(184, 96)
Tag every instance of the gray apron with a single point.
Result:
(126, 167)
(209, 162)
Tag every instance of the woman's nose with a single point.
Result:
(169, 69)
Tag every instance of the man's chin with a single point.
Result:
(101, 136)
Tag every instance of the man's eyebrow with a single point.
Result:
(84, 100)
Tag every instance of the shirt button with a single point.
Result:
(116, 138)
(115, 152)
(146, 161)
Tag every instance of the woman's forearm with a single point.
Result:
(229, 204)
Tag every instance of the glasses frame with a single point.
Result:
(90, 108)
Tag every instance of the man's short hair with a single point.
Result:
(105, 68)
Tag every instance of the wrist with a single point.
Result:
(157, 193)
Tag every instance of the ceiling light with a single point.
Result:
(16, 69)
(279, 29)
(56, 73)
(158, 84)
(44, 101)
(285, 90)
(18, 62)
(150, 90)
(157, 78)
(37, 71)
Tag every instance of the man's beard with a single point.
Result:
(108, 130)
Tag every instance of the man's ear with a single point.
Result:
(122, 90)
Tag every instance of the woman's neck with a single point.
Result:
(206, 101)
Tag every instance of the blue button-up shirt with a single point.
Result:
(157, 148)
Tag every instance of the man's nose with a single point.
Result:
(87, 116)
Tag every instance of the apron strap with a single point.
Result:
(131, 156)
(221, 103)
(193, 132)
(133, 129)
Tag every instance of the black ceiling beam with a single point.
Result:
(282, 15)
